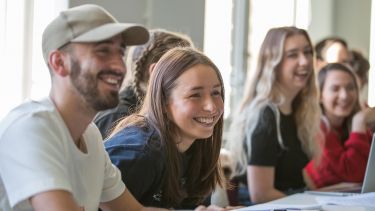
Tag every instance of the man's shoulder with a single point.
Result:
(34, 112)
(33, 106)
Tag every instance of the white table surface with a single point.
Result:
(307, 200)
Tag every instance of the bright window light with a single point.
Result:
(40, 83)
(284, 13)
(25, 75)
(217, 42)
(11, 53)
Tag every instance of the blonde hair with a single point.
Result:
(262, 90)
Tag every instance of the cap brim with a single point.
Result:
(132, 34)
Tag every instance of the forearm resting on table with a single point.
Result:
(265, 195)
(261, 184)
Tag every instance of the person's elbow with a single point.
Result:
(262, 195)
(257, 197)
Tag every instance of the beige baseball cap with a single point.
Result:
(88, 23)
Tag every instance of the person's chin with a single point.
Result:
(343, 114)
(205, 134)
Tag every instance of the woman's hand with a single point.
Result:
(308, 181)
(363, 119)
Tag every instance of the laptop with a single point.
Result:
(345, 189)
(369, 181)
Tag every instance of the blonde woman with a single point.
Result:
(275, 130)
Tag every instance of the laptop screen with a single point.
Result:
(369, 181)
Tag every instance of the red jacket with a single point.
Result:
(340, 162)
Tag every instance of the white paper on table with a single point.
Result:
(267, 207)
(364, 199)
(297, 201)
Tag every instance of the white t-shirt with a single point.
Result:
(37, 154)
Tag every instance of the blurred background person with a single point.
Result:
(331, 50)
(361, 67)
(345, 127)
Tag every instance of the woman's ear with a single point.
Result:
(58, 63)
(151, 68)
(166, 111)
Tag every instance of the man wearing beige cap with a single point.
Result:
(51, 155)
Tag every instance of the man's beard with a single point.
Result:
(87, 85)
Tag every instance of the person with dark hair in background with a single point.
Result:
(347, 137)
(141, 59)
(331, 50)
(361, 67)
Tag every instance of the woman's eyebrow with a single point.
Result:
(201, 87)
(217, 85)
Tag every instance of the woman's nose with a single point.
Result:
(303, 60)
(343, 93)
(209, 105)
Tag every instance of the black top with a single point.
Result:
(266, 150)
(141, 159)
(107, 119)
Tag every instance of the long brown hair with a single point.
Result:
(262, 90)
(204, 168)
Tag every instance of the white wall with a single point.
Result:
(321, 19)
(185, 16)
(123, 10)
(352, 21)
(349, 19)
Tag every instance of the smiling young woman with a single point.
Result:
(273, 133)
(345, 127)
(168, 151)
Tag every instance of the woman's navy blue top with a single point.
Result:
(138, 153)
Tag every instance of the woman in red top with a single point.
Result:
(345, 129)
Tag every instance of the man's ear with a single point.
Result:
(58, 62)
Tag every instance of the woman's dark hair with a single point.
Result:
(360, 65)
(323, 44)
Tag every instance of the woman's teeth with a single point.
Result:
(205, 120)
